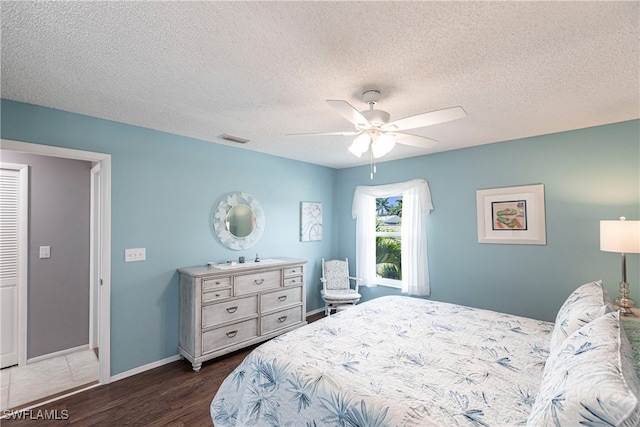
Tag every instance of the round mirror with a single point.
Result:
(238, 221)
(241, 221)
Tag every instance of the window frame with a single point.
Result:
(417, 204)
(384, 281)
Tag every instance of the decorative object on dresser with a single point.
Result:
(623, 237)
(230, 306)
(238, 221)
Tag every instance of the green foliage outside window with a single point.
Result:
(388, 247)
(388, 256)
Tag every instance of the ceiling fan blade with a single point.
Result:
(348, 111)
(349, 133)
(414, 140)
(426, 119)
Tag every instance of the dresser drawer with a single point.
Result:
(256, 282)
(293, 271)
(293, 281)
(216, 294)
(281, 319)
(228, 335)
(217, 282)
(280, 299)
(228, 311)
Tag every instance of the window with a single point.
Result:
(389, 241)
(413, 265)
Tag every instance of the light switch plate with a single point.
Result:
(45, 252)
(135, 254)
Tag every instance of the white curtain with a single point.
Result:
(416, 204)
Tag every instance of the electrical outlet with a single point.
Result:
(135, 254)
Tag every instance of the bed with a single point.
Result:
(402, 361)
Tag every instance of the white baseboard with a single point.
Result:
(143, 368)
(58, 353)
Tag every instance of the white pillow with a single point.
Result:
(585, 304)
(590, 379)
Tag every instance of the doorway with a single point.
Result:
(100, 242)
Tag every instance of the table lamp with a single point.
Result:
(622, 237)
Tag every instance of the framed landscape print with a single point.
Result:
(512, 215)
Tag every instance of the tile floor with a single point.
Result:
(24, 384)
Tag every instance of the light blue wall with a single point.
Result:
(164, 190)
(589, 175)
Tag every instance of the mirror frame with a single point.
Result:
(228, 202)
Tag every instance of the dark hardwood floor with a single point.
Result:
(170, 395)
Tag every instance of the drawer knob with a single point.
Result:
(282, 319)
(217, 295)
(217, 282)
(232, 309)
(282, 298)
(232, 333)
(259, 281)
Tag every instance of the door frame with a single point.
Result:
(94, 253)
(102, 260)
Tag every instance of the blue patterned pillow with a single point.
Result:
(590, 379)
(585, 304)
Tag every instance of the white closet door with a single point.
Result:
(9, 219)
(13, 202)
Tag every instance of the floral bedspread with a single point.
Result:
(632, 328)
(392, 361)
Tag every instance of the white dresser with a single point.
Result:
(228, 307)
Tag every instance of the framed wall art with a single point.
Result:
(310, 221)
(512, 215)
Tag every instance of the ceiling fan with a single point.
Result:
(374, 130)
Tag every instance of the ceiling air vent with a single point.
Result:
(232, 138)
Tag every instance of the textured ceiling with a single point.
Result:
(261, 70)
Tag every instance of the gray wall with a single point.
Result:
(58, 287)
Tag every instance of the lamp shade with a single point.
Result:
(620, 236)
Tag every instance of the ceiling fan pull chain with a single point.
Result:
(372, 164)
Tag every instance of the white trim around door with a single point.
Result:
(102, 261)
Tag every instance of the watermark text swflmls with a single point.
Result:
(36, 414)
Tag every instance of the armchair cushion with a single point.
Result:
(336, 274)
(340, 295)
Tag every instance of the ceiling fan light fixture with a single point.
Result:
(360, 145)
(382, 145)
(376, 134)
